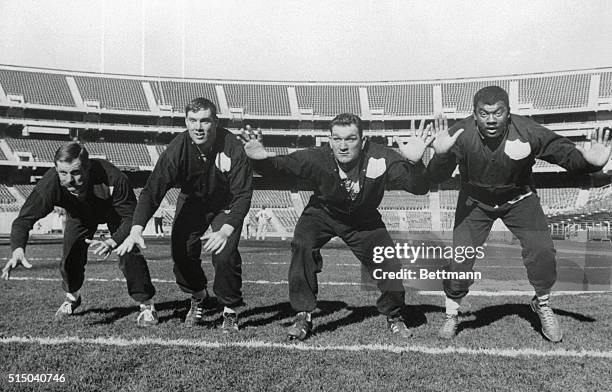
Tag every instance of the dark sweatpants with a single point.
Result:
(191, 220)
(526, 221)
(314, 229)
(133, 264)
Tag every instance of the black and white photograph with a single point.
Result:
(269, 195)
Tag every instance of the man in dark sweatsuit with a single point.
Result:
(92, 191)
(215, 177)
(495, 152)
(349, 177)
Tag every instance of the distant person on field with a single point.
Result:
(495, 151)
(349, 177)
(263, 222)
(92, 191)
(215, 177)
(158, 221)
(246, 227)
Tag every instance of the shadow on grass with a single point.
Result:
(490, 314)
(179, 311)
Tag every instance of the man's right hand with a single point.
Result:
(253, 146)
(135, 238)
(17, 258)
(443, 141)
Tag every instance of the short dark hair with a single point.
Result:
(346, 119)
(71, 151)
(198, 104)
(490, 95)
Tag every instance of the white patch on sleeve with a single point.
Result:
(376, 167)
(224, 163)
(517, 150)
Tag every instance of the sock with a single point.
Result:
(201, 295)
(543, 299)
(228, 310)
(308, 316)
(146, 304)
(452, 305)
(73, 296)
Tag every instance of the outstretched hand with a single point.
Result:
(253, 145)
(444, 141)
(601, 147)
(102, 247)
(420, 139)
(18, 258)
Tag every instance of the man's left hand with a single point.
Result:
(216, 240)
(102, 248)
(420, 139)
(601, 147)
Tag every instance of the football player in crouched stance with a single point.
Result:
(215, 177)
(495, 153)
(92, 191)
(349, 177)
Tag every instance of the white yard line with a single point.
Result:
(473, 293)
(256, 344)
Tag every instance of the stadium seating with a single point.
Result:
(37, 87)
(414, 221)
(305, 196)
(401, 200)
(271, 199)
(605, 85)
(121, 154)
(448, 199)
(558, 198)
(402, 99)
(41, 150)
(328, 100)
(178, 94)
(5, 196)
(2, 156)
(288, 217)
(460, 95)
(25, 189)
(258, 99)
(115, 94)
(555, 92)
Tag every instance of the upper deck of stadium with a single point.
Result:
(530, 94)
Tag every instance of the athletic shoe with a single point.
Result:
(194, 316)
(67, 308)
(449, 328)
(550, 326)
(397, 326)
(230, 322)
(301, 328)
(147, 316)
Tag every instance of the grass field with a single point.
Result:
(499, 347)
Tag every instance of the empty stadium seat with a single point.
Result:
(258, 99)
(38, 87)
(402, 99)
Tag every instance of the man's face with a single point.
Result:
(492, 120)
(345, 142)
(72, 175)
(202, 126)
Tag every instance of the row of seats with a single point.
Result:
(6, 197)
(555, 92)
(460, 95)
(121, 154)
(271, 199)
(543, 92)
(401, 200)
